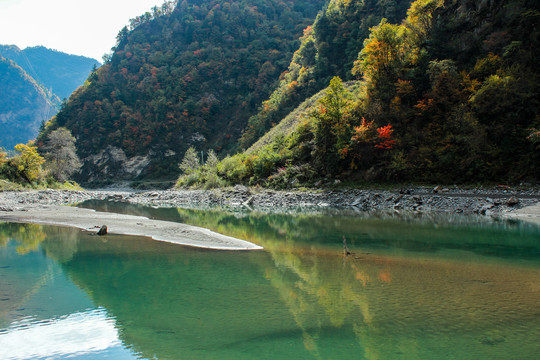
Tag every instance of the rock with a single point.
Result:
(485, 208)
(513, 201)
(241, 188)
(103, 230)
(436, 189)
(113, 162)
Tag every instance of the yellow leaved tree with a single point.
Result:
(28, 162)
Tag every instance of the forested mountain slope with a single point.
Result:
(449, 95)
(190, 74)
(24, 104)
(328, 48)
(59, 72)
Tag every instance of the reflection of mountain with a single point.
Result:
(28, 275)
(396, 307)
(305, 300)
(171, 302)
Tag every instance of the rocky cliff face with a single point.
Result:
(112, 163)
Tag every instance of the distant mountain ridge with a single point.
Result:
(24, 104)
(33, 82)
(59, 72)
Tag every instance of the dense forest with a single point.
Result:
(179, 76)
(387, 90)
(328, 48)
(448, 95)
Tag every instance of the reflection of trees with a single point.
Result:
(62, 242)
(168, 298)
(377, 298)
(323, 291)
(59, 243)
(21, 286)
(27, 236)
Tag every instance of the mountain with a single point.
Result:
(59, 72)
(448, 95)
(328, 48)
(186, 74)
(24, 104)
(33, 81)
(435, 91)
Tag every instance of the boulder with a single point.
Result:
(103, 230)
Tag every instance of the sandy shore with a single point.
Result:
(125, 224)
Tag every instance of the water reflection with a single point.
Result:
(427, 233)
(28, 236)
(42, 313)
(408, 291)
(77, 334)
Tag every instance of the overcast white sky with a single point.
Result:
(80, 27)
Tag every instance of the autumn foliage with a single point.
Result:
(385, 138)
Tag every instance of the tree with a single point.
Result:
(28, 162)
(190, 163)
(382, 55)
(420, 16)
(211, 160)
(61, 155)
(332, 128)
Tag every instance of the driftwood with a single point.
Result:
(346, 251)
(103, 230)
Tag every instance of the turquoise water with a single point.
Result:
(413, 288)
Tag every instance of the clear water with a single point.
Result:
(413, 288)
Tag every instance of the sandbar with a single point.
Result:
(92, 220)
(528, 213)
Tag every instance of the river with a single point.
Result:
(412, 287)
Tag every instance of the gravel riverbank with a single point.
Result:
(504, 202)
(46, 207)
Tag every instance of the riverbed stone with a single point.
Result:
(513, 201)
